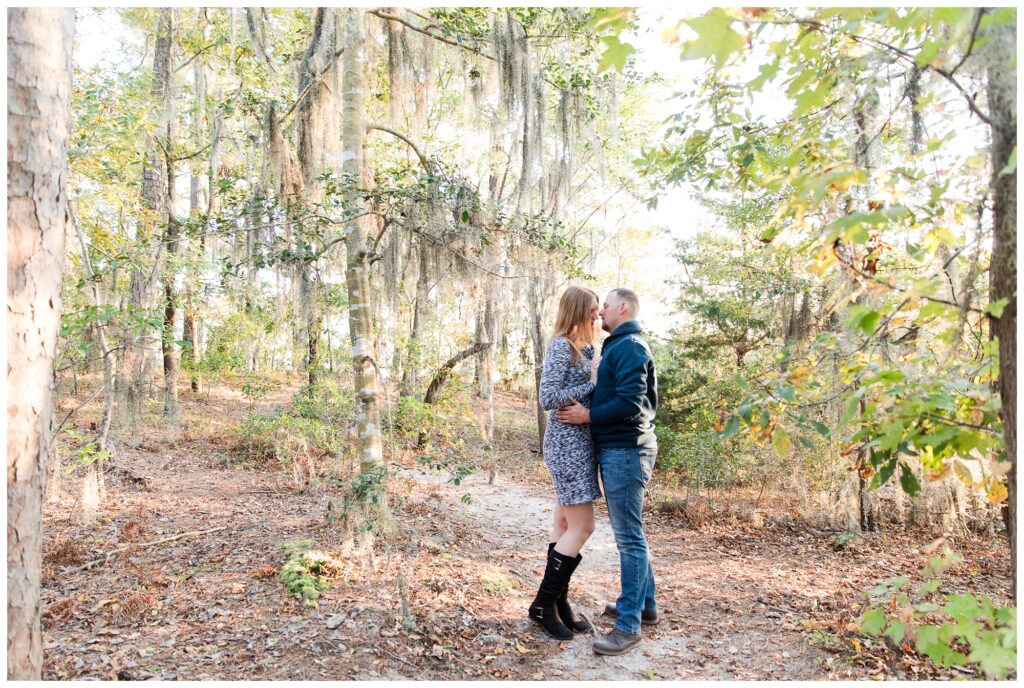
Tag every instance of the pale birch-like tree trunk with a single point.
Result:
(39, 43)
(357, 246)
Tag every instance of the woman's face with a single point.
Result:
(594, 313)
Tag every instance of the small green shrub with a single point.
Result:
(308, 447)
(357, 493)
(307, 571)
(950, 629)
(326, 401)
(440, 423)
(256, 386)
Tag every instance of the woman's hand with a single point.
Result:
(593, 368)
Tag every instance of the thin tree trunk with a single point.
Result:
(419, 307)
(96, 468)
(154, 201)
(537, 337)
(172, 230)
(356, 244)
(39, 43)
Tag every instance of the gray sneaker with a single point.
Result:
(646, 618)
(616, 642)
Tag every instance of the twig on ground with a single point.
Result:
(112, 553)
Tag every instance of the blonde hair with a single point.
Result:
(575, 321)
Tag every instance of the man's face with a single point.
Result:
(612, 312)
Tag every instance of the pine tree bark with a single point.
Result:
(39, 43)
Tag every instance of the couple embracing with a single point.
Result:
(601, 407)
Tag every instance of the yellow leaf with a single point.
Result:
(522, 649)
(963, 473)
(855, 643)
(997, 492)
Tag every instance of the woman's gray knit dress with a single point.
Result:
(568, 449)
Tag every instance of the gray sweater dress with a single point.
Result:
(568, 449)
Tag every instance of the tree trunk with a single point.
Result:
(356, 244)
(536, 316)
(39, 43)
(419, 307)
(136, 364)
(171, 230)
(189, 354)
(95, 469)
(1002, 97)
(318, 146)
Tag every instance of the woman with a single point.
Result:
(570, 372)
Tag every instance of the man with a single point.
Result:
(621, 410)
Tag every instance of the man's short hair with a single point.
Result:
(631, 299)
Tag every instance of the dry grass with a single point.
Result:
(135, 527)
(131, 606)
(64, 551)
(62, 610)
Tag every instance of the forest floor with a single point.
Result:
(744, 593)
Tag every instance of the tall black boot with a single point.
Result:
(543, 608)
(562, 603)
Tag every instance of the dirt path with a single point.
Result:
(448, 600)
(708, 631)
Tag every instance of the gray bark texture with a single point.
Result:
(1002, 102)
(357, 247)
(39, 45)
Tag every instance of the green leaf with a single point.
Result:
(821, 428)
(863, 318)
(934, 641)
(995, 309)
(732, 426)
(767, 72)
(872, 622)
(962, 607)
(883, 475)
(991, 656)
(715, 38)
(781, 442)
(895, 631)
(908, 480)
(928, 52)
(615, 54)
(1011, 163)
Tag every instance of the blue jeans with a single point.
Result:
(625, 473)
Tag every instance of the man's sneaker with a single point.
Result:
(616, 642)
(646, 618)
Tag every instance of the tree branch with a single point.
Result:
(305, 91)
(446, 369)
(423, 159)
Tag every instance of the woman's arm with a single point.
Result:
(557, 362)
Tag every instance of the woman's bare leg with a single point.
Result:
(560, 525)
(580, 526)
